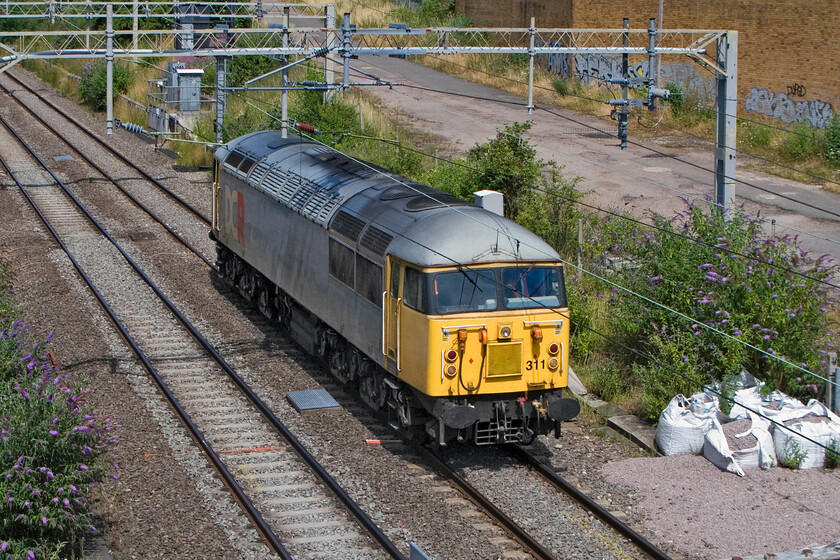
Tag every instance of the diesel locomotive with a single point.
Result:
(449, 317)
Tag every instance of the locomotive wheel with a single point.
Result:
(248, 285)
(338, 362)
(229, 268)
(266, 302)
(284, 310)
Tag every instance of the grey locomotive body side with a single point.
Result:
(292, 252)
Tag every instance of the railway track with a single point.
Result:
(293, 502)
(250, 451)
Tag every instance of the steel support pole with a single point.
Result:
(532, 32)
(832, 398)
(725, 123)
(345, 52)
(109, 70)
(659, 16)
(135, 26)
(284, 95)
(329, 69)
(221, 93)
(625, 75)
(651, 63)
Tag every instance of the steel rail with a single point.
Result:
(106, 175)
(307, 457)
(115, 153)
(514, 530)
(229, 480)
(625, 530)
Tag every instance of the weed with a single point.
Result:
(832, 454)
(793, 455)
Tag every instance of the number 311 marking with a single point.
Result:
(531, 365)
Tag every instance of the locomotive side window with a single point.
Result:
(465, 290)
(369, 280)
(533, 287)
(414, 293)
(341, 262)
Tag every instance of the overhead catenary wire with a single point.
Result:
(705, 200)
(565, 316)
(620, 216)
(776, 163)
(590, 273)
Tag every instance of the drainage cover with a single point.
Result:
(311, 399)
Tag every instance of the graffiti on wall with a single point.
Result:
(815, 112)
(589, 67)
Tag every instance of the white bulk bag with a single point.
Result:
(717, 450)
(683, 424)
(825, 432)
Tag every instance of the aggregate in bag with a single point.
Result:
(817, 423)
(739, 445)
(683, 424)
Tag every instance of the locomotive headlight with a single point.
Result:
(536, 333)
(450, 355)
(504, 331)
(552, 363)
(451, 371)
(553, 348)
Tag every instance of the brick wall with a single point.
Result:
(788, 57)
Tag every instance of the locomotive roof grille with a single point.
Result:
(259, 172)
(348, 225)
(375, 240)
(414, 222)
(395, 193)
(246, 165)
(234, 159)
(420, 203)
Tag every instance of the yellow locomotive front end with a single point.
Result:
(487, 346)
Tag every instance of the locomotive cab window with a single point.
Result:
(462, 291)
(533, 287)
(395, 280)
(414, 292)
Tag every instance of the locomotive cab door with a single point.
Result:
(391, 316)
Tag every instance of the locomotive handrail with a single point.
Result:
(397, 342)
(384, 322)
(456, 327)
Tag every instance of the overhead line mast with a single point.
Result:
(397, 39)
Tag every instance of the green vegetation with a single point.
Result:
(93, 85)
(832, 455)
(52, 448)
(793, 455)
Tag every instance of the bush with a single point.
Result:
(93, 85)
(831, 146)
(51, 449)
(778, 308)
(561, 86)
(802, 143)
(677, 97)
(507, 164)
(752, 136)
